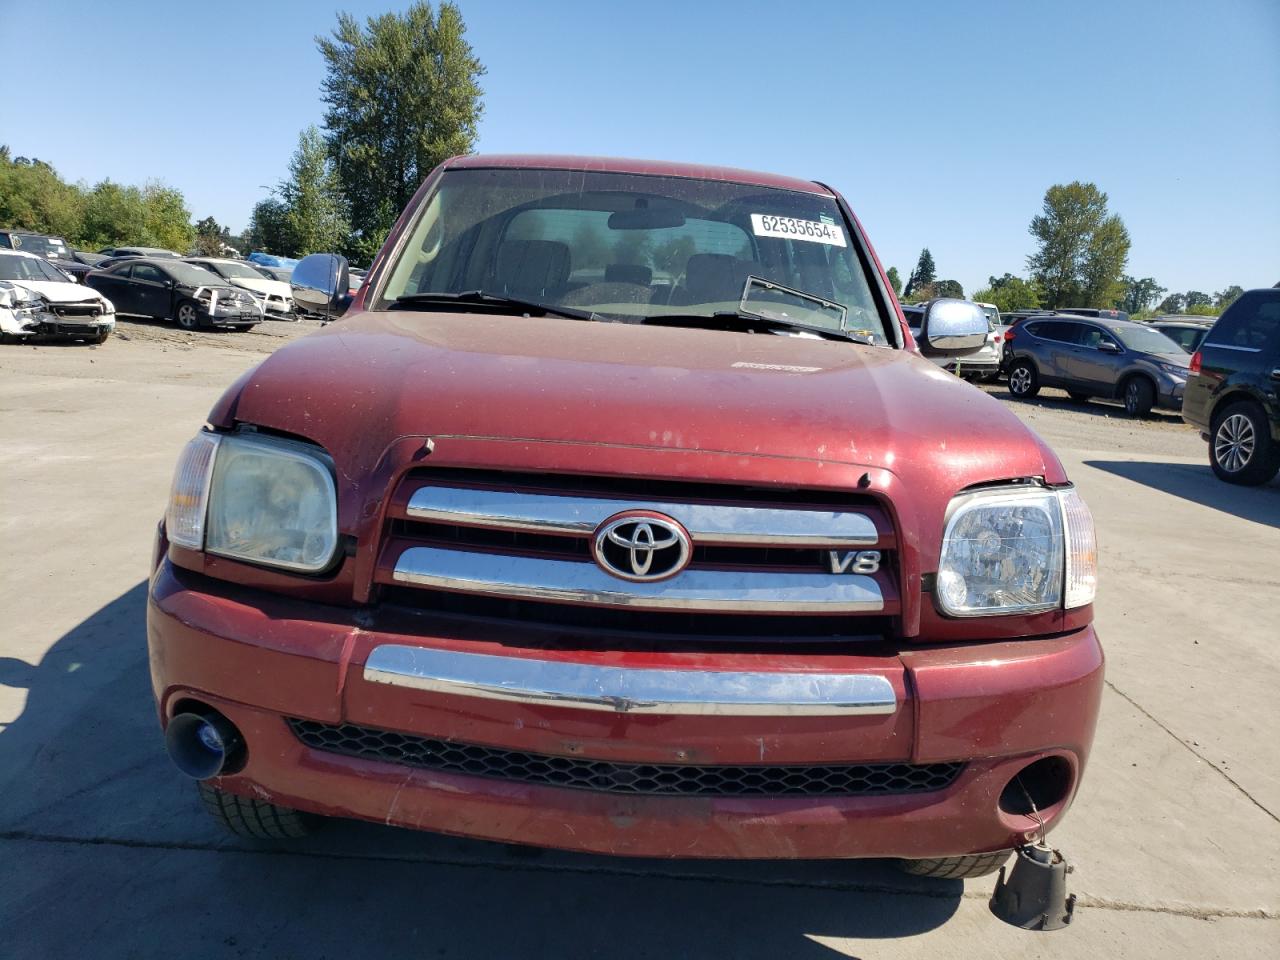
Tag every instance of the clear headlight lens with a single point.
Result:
(1002, 553)
(262, 500)
(1174, 370)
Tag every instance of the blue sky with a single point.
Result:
(943, 123)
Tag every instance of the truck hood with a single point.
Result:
(360, 384)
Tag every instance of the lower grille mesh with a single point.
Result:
(862, 779)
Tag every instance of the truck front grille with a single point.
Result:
(495, 539)
(661, 779)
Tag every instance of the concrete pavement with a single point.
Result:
(104, 851)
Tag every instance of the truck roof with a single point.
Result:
(658, 168)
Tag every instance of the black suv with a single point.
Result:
(1233, 393)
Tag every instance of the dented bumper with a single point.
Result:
(278, 668)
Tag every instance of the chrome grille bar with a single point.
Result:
(566, 581)
(630, 690)
(579, 516)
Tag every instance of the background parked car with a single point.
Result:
(1095, 312)
(1232, 392)
(52, 248)
(139, 252)
(39, 300)
(283, 274)
(1111, 359)
(169, 289)
(1186, 332)
(276, 297)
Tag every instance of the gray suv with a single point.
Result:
(1110, 359)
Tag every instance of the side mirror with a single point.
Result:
(320, 285)
(1106, 346)
(952, 327)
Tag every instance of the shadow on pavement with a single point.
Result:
(94, 816)
(1051, 399)
(1200, 485)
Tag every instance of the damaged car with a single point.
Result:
(166, 289)
(275, 295)
(38, 300)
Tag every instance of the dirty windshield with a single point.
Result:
(630, 247)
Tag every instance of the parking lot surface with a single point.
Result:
(104, 851)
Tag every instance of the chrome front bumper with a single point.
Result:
(628, 689)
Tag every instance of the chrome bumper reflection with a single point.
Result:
(564, 581)
(624, 690)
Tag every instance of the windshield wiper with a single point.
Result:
(496, 300)
(750, 322)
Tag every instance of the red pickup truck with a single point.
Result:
(620, 513)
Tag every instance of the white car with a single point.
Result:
(38, 299)
(275, 296)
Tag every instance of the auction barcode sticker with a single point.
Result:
(789, 228)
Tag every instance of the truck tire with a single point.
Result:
(255, 819)
(1024, 379)
(187, 315)
(1139, 396)
(1241, 449)
(956, 868)
(101, 337)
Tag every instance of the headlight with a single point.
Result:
(1174, 369)
(258, 499)
(1012, 551)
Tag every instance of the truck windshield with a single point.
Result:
(630, 247)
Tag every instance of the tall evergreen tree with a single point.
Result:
(1083, 248)
(403, 94)
(925, 271)
(315, 216)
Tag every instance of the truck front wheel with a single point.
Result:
(255, 819)
(956, 868)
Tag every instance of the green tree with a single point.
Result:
(919, 293)
(211, 237)
(924, 274)
(1009, 293)
(1139, 295)
(166, 219)
(1224, 298)
(33, 197)
(268, 227)
(1197, 298)
(1083, 249)
(1173, 303)
(315, 219)
(895, 281)
(948, 288)
(403, 94)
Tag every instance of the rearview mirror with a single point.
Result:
(645, 219)
(952, 327)
(320, 285)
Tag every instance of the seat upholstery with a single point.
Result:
(716, 277)
(628, 273)
(532, 268)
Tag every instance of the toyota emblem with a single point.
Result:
(642, 546)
